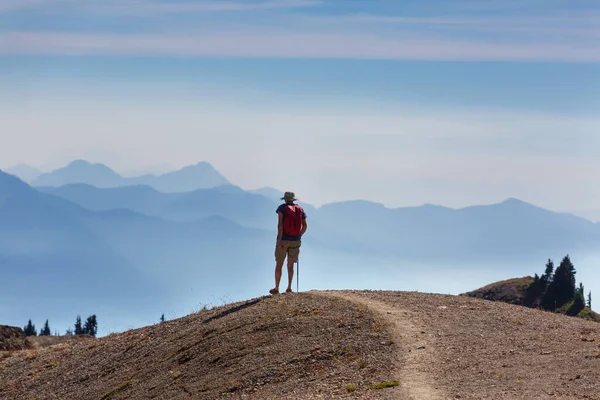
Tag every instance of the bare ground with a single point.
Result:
(12, 338)
(478, 349)
(326, 344)
(285, 347)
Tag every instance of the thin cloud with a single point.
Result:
(226, 6)
(585, 25)
(283, 44)
(12, 5)
(469, 20)
(156, 6)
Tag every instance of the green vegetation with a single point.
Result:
(46, 330)
(89, 328)
(554, 291)
(587, 313)
(511, 291)
(351, 388)
(384, 385)
(30, 329)
(78, 327)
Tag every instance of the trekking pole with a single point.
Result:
(297, 274)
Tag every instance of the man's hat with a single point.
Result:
(289, 196)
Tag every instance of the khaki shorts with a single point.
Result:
(291, 248)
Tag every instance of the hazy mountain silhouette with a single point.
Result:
(592, 215)
(229, 201)
(201, 175)
(141, 199)
(50, 258)
(24, 172)
(56, 256)
(512, 228)
(269, 192)
(115, 242)
(81, 171)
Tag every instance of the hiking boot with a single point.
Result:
(274, 291)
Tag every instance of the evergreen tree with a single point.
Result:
(162, 318)
(589, 300)
(45, 330)
(535, 291)
(578, 302)
(69, 332)
(562, 288)
(549, 271)
(30, 329)
(91, 326)
(78, 327)
(549, 297)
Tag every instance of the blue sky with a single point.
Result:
(446, 102)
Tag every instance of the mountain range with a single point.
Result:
(24, 172)
(509, 228)
(137, 248)
(201, 175)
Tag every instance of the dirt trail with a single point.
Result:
(415, 356)
(478, 349)
(326, 344)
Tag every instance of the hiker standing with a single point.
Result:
(290, 228)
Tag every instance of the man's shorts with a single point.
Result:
(291, 248)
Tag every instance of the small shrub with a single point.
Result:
(385, 384)
(351, 388)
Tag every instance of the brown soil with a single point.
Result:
(12, 338)
(478, 349)
(511, 291)
(323, 344)
(294, 346)
(47, 341)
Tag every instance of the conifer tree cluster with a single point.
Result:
(557, 290)
(29, 329)
(89, 327)
(46, 330)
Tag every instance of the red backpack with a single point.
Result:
(292, 219)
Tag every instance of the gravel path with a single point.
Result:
(324, 345)
(415, 357)
(479, 349)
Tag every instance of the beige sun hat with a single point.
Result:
(289, 196)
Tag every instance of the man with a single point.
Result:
(290, 228)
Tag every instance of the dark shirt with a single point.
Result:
(281, 209)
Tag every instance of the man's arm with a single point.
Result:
(279, 226)
(304, 226)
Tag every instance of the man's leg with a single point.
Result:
(290, 265)
(280, 253)
(293, 254)
(278, 272)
